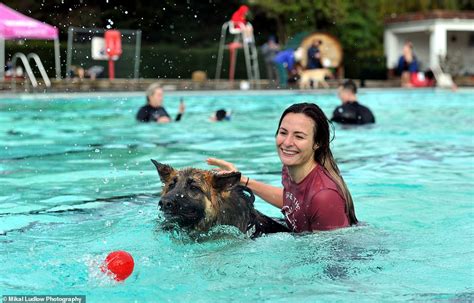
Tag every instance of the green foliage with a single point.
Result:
(158, 60)
(304, 15)
(177, 22)
(44, 49)
(181, 36)
(357, 23)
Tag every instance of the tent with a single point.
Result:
(14, 25)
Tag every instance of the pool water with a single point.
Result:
(77, 183)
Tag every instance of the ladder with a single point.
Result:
(29, 72)
(250, 51)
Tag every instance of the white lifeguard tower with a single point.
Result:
(242, 39)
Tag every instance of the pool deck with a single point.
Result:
(130, 85)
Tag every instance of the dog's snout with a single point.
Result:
(165, 204)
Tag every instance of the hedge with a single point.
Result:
(169, 61)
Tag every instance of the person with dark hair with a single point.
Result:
(351, 111)
(314, 196)
(314, 55)
(220, 115)
(154, 111)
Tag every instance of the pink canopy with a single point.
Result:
(14, 25)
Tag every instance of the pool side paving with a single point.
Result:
(128, 85)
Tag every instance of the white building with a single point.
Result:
(434, 35)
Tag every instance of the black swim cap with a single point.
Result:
(221, 114)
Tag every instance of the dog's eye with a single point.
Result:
(194, 188)
(172, 184)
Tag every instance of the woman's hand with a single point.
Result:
(222, 165)
(181, 107)
(269, 193)
(225, 167)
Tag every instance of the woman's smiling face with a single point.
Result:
(295, 140)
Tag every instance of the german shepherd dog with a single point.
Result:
(311, 78)
(197, 200)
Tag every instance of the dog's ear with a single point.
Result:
(225, 181)
(165, 171)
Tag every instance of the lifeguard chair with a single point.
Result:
(241, 40)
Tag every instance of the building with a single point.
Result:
(434, 35)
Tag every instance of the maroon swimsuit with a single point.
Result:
(313, 204)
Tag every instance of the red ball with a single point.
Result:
(120, 264)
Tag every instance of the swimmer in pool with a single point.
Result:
(351, 111)
(154, 111)
(314, 196)
(220, 115)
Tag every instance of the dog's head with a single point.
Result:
(191, 198)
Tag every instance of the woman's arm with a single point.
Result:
(269, 193)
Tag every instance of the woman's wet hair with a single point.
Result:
(151, 90)
(322, 154)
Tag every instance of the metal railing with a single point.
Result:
(250, 51)
(40, 66)
(29, 72)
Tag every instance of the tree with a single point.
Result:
(293, 17)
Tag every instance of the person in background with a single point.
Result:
(289, 60)
(76, 72)
(314, 55)
(407, 61)
(220, 115)
(314, 196)
(240, 24)
(9, 72)
(269, 50)
(408, 68)
(351, 111)
(95, 71)
(154, 111)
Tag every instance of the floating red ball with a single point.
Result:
(120, 264)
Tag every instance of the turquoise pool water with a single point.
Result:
(77, 183)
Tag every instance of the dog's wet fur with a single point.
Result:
(196, 200)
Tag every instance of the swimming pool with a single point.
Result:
(77, 183)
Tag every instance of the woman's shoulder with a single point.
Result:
(321, 180)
